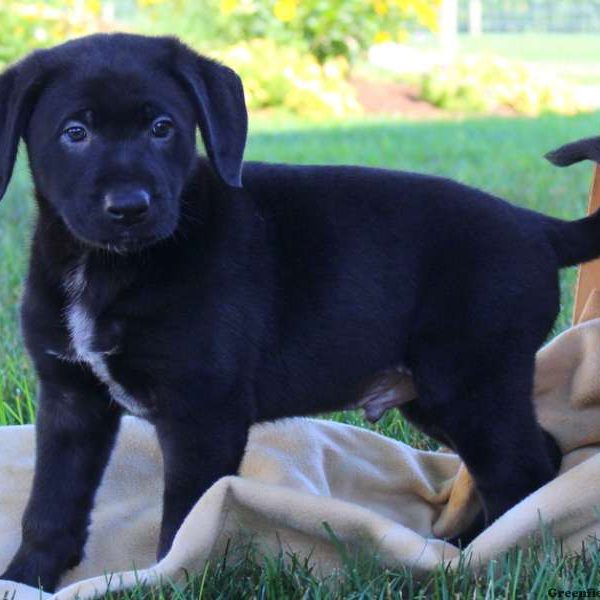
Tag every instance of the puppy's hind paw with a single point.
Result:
(553, 449)
(463, 539)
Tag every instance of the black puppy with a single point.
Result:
(160, 286)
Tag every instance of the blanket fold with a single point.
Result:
(302, 479)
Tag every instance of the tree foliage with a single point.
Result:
(327, 28)
(29, 24)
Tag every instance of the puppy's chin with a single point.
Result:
(127, 246)
(127, 241)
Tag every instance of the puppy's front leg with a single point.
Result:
(195, 455)
(75, 432)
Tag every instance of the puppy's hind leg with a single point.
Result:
(480, 403)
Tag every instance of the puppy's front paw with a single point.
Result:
(34, 569)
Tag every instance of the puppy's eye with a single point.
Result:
(162, 128)
(76, 133)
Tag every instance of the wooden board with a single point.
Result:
(587, 291)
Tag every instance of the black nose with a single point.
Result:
(127, 207)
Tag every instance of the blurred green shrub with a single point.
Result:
(283, 77)
(26, 24)
(324, 28)
(489, 83)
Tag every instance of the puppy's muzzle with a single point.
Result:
(127, 207)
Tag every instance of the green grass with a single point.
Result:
(521, 573)
(554, 48)
(571, 55)
(502, 156)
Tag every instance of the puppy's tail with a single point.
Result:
(575, 242)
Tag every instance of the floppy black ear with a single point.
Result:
(586, 149)
(10, 125)
(219, 101)
(16, 95)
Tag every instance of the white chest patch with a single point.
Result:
(81, 328)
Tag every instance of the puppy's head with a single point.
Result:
(109, 122)
(569, 154)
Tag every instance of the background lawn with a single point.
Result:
(572, 55)
(502, 156)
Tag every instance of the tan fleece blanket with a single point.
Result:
(300, 474)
